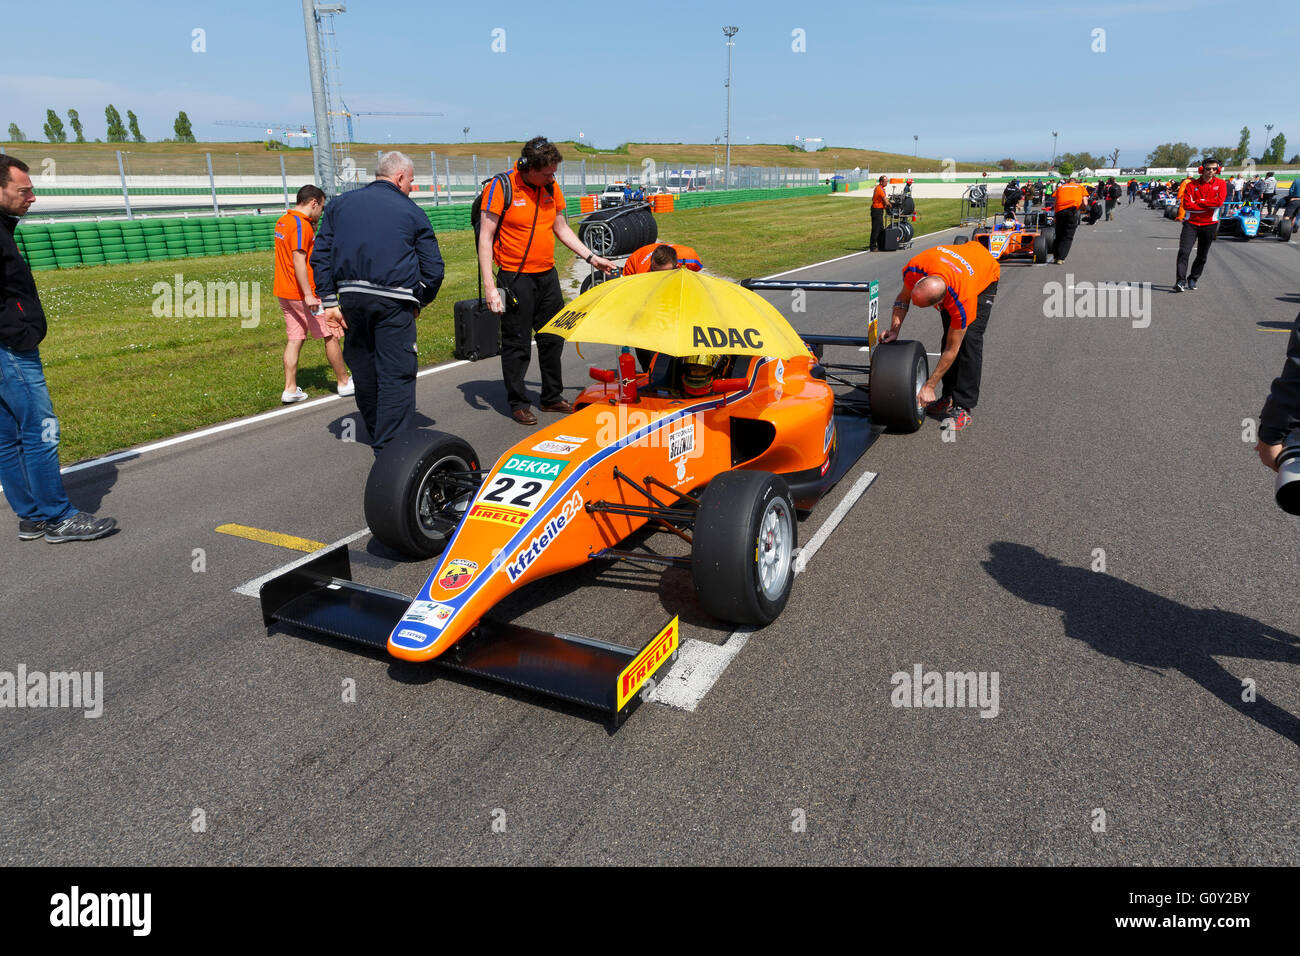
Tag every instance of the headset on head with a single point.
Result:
(540, 142)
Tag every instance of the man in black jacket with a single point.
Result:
(29, 432)
(376, 261)
(1281, 413)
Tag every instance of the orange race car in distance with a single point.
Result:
(726, 466)
(1026, 241)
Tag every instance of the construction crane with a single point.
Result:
(348, 114)
(285, 129)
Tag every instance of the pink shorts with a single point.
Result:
(298, 320)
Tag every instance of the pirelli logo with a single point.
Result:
(508, 516)
(647, 662)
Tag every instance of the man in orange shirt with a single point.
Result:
(649, 259)
(961, 282)
(879, 203)
(295, 234)
(1070, 197)
(526, 288)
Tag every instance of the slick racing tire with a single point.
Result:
(742, 556)
(595, 279)
(418, 491)
(898, 371)
(1049, 233)
(960, 239)
(1284, 229)
(1040, 248)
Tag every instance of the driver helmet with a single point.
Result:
(699, 373)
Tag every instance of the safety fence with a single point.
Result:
(115, 242)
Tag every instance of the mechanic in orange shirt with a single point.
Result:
(961, 282)
(1070, 197)
(521, 240)
(643, 260)
(294, 286)
(879, 203)
(659, 257)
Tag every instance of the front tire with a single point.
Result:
(742, 556)
(1040, 248)
(418, 490)
(898, 371)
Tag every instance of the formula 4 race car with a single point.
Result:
(1240, 219)
(1281, 221)
(1025, 243)
(724, 462)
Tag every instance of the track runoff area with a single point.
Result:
(1099, 550)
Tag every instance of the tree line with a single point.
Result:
(118, 132)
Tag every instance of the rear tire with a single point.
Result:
(742, 557)
(1049, 233)
(1284, 229)
(898, 370)
(412, 502)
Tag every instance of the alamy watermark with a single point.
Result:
(208, 300)
(81, 690)
(1098, 300)
(922, 688)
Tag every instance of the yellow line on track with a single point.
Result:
(270, 537)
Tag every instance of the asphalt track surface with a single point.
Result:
(1119, 691)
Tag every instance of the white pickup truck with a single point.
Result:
(612, 196)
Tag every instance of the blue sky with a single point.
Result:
(978, 80)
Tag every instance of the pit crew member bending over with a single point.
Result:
(961, 282)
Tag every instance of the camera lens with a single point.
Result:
(1287, 489)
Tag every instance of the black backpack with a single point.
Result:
(476, 210)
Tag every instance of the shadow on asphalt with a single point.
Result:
(1136, 626)
(89, 488)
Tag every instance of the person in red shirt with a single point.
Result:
(879, 203)
(961, 282)
(1201, 201)
(295, 234)
(520, 239)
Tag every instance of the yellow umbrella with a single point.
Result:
(678, 312)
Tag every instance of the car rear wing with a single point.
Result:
(870, 287)
(321, 596)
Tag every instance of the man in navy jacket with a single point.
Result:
(376, 262)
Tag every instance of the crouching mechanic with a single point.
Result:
(659, 257)
(961, 282)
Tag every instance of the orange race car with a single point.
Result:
(722, 450)
(1024, 241)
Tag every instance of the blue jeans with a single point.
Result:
(29, 440)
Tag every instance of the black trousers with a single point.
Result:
(962, 380)
(1067, 221)
(1201, 237)
(540, 300)
(1110, 206)
(877, 228)
(379, 348)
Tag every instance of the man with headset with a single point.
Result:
(1201, 200)
(525, 291)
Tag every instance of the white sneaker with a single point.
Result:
(348, 389)
(297, 395)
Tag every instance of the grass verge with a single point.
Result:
(120, 375)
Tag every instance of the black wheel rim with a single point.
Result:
(444, 494)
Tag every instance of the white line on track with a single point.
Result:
(253, 587)
(700, 664)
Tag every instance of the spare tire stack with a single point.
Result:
(623, 230)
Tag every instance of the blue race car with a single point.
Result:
(1240, 219)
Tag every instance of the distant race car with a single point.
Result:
(1027, 243)
(725, 467)
(1240, 219)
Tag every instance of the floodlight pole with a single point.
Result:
(729, 32)
(1052, 161)
(324, 145)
